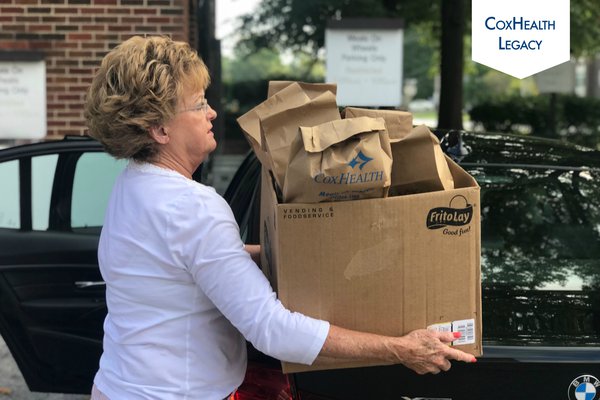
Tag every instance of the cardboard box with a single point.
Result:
(386, 266)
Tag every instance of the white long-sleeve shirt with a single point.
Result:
(182, 293)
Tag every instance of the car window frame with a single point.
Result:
(69, 150)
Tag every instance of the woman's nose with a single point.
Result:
(211, 114)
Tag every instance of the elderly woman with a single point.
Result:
(182, 290)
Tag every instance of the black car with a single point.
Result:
(540, 274)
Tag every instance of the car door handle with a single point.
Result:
(87, 284)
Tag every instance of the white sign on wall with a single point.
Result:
(365, 60)
(22, 99)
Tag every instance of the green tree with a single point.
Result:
(585, 27)
(299, 25)
(420, 55)
(259, 65)
(453, 21)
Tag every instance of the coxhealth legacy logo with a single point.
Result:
(521, 38)
(458, 214)
(584, 387)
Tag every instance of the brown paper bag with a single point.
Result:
(340, 160)
(311, 89)
(419, 164)
(280, 129)
(398, 123)
(289, 97)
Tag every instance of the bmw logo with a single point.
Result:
(584, 387)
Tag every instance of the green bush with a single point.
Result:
(567, 117)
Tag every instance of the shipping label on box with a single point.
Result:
(386, 266)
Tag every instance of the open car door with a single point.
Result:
(52, 306)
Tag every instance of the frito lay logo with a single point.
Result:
(458, 213)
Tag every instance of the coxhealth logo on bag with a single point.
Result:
(361, 160)
(521, 38)
(584, 387)
(351, 178)
(458, 213)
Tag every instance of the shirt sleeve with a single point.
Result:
(204, 237)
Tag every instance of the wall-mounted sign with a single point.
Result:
(22, 98)
(364, 58)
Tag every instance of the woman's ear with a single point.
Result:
(159, 134)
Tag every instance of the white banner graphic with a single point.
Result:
(521, 37)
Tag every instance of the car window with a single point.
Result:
(540, 228)
(9, 195)
(540, 255)
(95, 175)
(42, 179)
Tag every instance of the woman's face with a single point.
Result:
(191, 137)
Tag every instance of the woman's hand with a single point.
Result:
(426, 351)
(421, 350)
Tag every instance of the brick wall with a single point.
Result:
(74, 35)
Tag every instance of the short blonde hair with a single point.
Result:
(138, 86)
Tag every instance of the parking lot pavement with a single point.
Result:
(11, 382)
